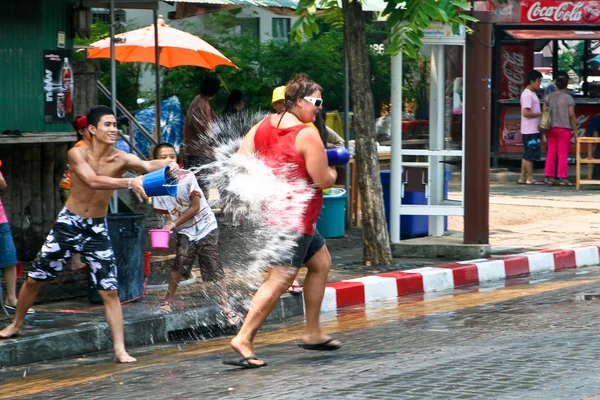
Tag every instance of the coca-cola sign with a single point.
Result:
(516, 60)
(560, 12)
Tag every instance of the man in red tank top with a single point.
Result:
(282, 140)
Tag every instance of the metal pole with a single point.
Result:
(477, 135)
(113, 63)
(157, 78)
(586, 55)
(554, 58)
(114, 203)
(347, 133)
(436, 136)
(495, 125)
(396, 162)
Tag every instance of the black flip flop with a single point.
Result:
(321, 346)
(243, 363)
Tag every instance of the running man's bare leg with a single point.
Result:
(262, 304)
(114, 318)
(314, 289)
(27, 296)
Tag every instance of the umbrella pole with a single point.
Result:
(157, 73)
(114, 203)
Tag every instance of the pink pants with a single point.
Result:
(559, 140)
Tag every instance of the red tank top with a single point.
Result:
(277, 147)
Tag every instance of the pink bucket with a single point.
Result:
(160, 238)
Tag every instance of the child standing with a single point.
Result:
(8, 257)
(189, 214)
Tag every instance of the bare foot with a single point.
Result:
(124, 358)
(166, 306)
(232, 318)
(245, 350)
(9, 331)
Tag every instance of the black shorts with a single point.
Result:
(206, 250)
(74, 234)
(306, 247)
(532, 147)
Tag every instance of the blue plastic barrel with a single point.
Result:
(332, 220)
(126, 233)
(411, 226)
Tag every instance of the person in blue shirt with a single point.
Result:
(550, 88)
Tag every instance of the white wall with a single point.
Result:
(201, 23)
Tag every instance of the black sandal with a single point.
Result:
(243, 363)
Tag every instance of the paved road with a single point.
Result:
(531, 339)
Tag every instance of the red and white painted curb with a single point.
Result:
(447, 276)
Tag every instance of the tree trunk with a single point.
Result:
(376, 240)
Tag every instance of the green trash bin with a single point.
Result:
(332, 220)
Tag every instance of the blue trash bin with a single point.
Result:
(411, 226)
(126, 233)
(332, 220)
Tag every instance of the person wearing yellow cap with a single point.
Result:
(278, 99)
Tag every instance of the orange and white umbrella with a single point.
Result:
(177, 48)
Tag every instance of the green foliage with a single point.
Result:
(128, 74)
(264, 66)
(406, 19)
(572, 59)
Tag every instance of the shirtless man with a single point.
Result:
(96, 170)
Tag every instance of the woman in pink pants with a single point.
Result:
(564, 126)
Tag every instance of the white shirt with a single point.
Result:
(531, 101)
(200, 224)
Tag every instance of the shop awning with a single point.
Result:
(536, 34)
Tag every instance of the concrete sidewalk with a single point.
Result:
(533, 229)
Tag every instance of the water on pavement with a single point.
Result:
(527, 338)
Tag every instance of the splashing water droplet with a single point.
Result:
(262, 206)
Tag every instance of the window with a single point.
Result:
(104, 15)
(250, 27)
(280, 28)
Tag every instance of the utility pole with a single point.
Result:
(478, 85)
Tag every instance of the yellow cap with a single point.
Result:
(278, 94)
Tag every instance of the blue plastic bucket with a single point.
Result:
(332, 220)
(160, 183)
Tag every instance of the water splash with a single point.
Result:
(262, 206)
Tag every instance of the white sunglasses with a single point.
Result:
(317, 102)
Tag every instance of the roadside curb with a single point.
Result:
(447, 276)
(148, 329)
(206, 322)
